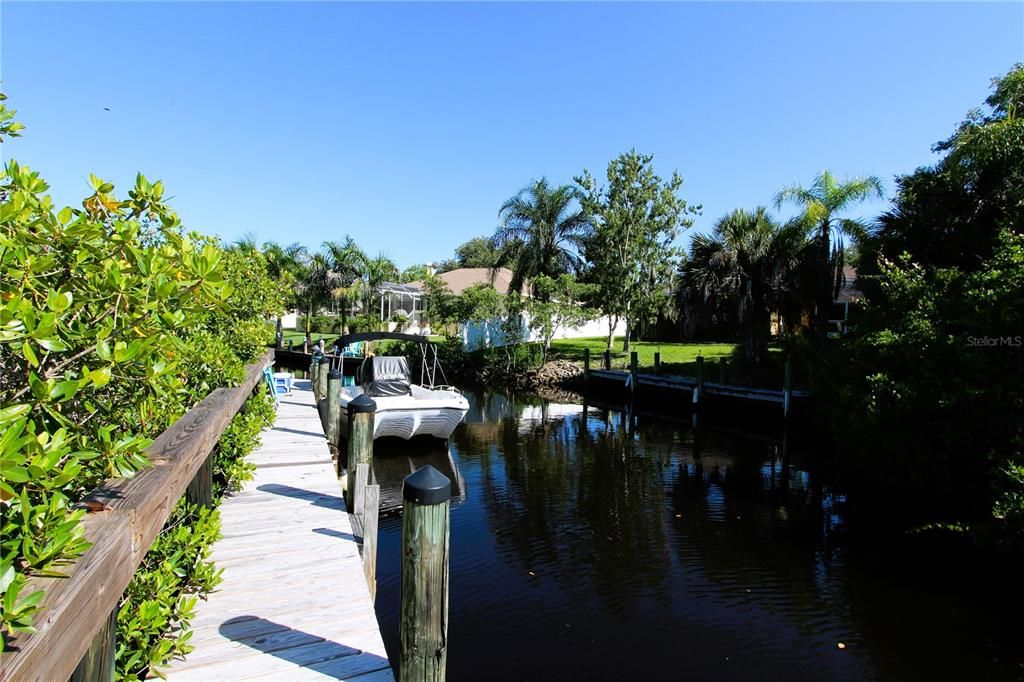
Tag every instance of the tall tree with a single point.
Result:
(635, 221)
(478, 252)
(285, 265)
(540, 233)
(822, 204)
(749, 259)
(347, 265)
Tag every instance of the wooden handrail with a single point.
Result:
(129, 513)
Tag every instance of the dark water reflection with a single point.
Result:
(606, 545)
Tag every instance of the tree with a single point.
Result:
(285, 264)
(951, 214)
(376, 271)
(478, 252)
(926, 392)
(635, 221)
(414, 273)
(347, 264)
(559, 306)
(540, 232)
(822, 203)
(750, 260)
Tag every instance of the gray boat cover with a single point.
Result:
(382, 376)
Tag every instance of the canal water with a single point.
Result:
(595, 544)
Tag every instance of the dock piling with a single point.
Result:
(333, 409)
(657, 362)
(586, 364)
(607, 359)
(360, 442)
(371, 512)
(426, 497)
(321, 378)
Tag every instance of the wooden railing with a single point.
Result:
(125, 516)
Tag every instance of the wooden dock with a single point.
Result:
(294, 603)
(686, 385)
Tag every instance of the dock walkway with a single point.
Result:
(294, 604)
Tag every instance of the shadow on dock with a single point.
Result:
(330, 532)
(315, 499)
(332, 659)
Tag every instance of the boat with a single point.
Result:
(404, 409)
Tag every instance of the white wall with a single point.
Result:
(487, 334)
(290, 320)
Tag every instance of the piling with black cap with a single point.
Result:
(424, 611)
(321, 378)
(361, 411)
(332, 426)
(314, 367)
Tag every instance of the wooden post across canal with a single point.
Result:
(633, 371)
(787, 389)
(607, 359)
(586, 364)
(698, 391)
(424, 610)
(657, 362)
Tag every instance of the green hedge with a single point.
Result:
(114, 321)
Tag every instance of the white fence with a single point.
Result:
(476, 335)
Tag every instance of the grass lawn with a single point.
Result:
(681, 354)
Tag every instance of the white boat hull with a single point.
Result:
(425, 412)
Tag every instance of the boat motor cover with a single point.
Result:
(383, 376)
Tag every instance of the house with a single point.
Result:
(839, 315)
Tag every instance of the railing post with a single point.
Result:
(607, 359)
(424, 593)
(291, 345)
(657, 362)
(722, 366)
(333, 409)
(97, 665)
(360, 442)
(586, 364)
(200, 490)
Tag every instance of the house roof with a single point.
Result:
(849, 291)
(460, 279)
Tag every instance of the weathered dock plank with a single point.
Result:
(294, 603)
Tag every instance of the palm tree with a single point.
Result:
(540, 233)
(749, 259)
(821, 204)
(376, 272)
(347, 266)
(284, 264)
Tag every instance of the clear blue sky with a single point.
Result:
(407, 125)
